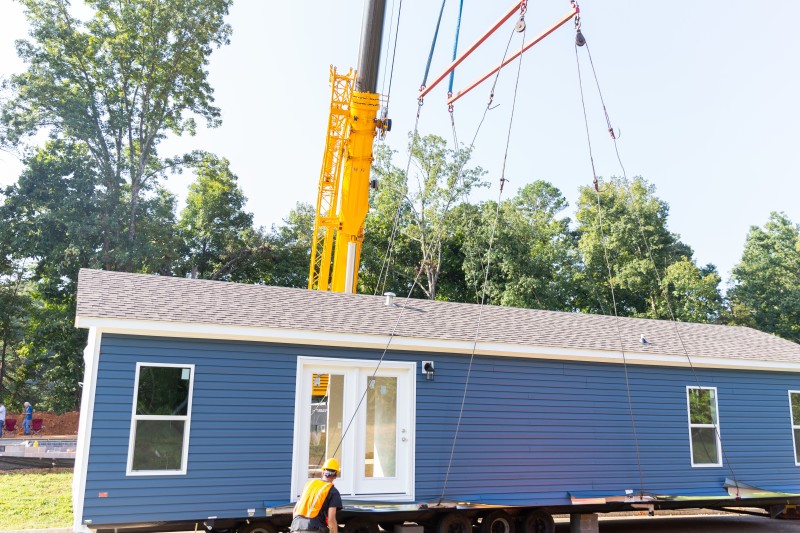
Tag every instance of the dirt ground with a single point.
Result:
(64, 425)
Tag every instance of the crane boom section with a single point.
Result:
(355, 190)
(326, 221)
(343, 196)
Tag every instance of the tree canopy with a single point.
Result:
(766, 282)
(117, 84)
(626, 245)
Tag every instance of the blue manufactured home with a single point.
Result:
(212, 403)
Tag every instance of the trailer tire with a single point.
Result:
(454, 523)
(537, 521)
(258, 527)
(498, 522)
(361, 525)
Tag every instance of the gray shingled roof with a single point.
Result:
(116, 295)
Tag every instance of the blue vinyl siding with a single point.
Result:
(532, 430)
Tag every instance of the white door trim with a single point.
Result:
(302, 421)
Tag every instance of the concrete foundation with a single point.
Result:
(583, 523)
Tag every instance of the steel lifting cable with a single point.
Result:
(380, 361)
(384, 272)
(615, 136)
(388, 93)
(488, 265)
(453, 74)
(610, 274)
(387, 256)
(438, 237)
(385, 114)
(377, 367)
(486, 110)
(396, 324)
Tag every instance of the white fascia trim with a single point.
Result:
(91, 357)
(418, 344)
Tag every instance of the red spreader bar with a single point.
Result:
(516, 7)
(574, 11)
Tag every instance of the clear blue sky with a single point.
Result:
(704, 93)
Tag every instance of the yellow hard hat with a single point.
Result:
(331, 464)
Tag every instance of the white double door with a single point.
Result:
(361, 415)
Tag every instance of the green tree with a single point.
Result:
(117, 84)
(632, 241)
(291, 244)
(766, 281)
(50, 215)
(217, 233)
(535, 261)
(691, 293)
(51, 361)
(48, 220)
(385, 268)
(427, 216)
(15, 304)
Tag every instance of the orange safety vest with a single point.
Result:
(310, 502)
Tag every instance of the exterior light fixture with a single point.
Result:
(427, 368)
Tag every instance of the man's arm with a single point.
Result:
(332, 525)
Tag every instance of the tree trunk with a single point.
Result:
(3, 362)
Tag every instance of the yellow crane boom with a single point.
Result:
(344, 182)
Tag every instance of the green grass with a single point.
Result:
(33, 500)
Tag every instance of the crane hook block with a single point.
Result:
(580, 40)
(383, 124)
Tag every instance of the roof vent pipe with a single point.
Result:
(389, 299)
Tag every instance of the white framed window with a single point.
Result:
(704, 440)
(794, 407)
(161, 414)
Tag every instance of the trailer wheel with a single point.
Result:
(454, 523)
(258, 527)
(498, 522)
(361, 525)
(538, 521)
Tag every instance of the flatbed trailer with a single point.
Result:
(465, 517)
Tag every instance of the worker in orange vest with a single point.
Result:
(315, 511)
